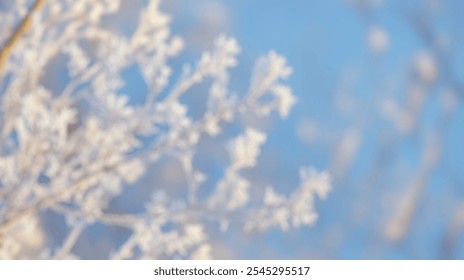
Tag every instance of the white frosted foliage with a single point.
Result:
(244, 149)
(76, 152)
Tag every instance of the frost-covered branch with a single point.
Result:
(73, 150)
(20, 30)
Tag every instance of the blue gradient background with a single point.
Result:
(341, 87)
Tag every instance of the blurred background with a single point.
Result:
(380, 87)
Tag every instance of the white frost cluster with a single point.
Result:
(268, 73)
(232, 191)
(244, 149)
(294, 211)
(72, 150)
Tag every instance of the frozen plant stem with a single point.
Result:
(22, 28)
